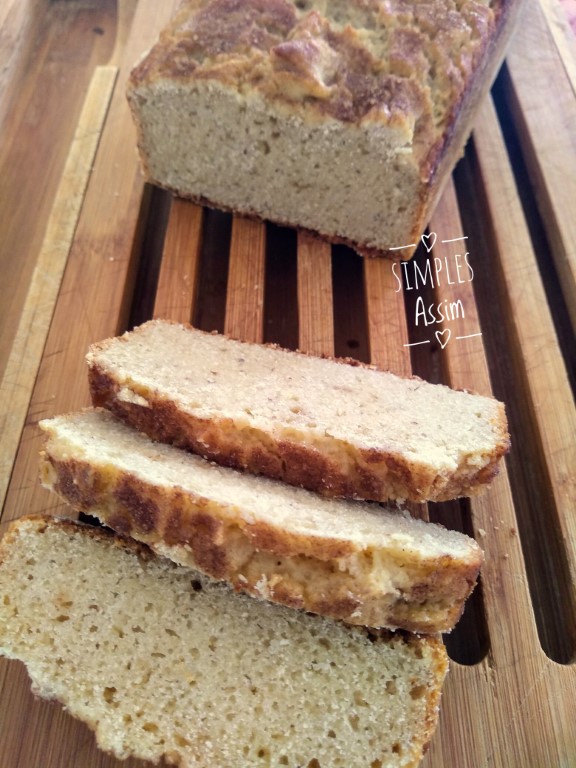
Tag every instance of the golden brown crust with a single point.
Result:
(434, 697)
(41, 522)
(304, 56)
(445, 153)
(436, 63)
(332, 469)
(303, 62)
(324, 575)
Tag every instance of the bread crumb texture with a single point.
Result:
(350, 560)
(332, 115)
(160, 661)
(338, 428)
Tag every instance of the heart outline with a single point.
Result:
(431, 236)
(440, 337)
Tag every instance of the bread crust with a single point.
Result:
(327, 575)
(327, 466)
(307, 68)
(41, 522)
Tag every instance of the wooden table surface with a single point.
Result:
(88, 250)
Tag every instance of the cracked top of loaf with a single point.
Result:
(398, 63)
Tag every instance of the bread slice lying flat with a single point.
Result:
(159, 661)
(345, 559)
(337, 428)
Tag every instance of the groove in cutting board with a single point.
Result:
(210, 306)
(504, 98)
(280, 307)
(426, 287)
(147, 255)
(548, 411)
(465, 366)
(510, 332)
(548, 138)
(350, 329)
(469, 641)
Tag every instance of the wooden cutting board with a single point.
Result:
(116, 252)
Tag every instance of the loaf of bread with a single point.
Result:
(161, 661)
(344, 559)
(334, 427)
(343, 117)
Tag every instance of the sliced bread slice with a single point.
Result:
(349, 560)
(160, 661)
(335, 427)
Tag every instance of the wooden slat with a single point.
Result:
(90, 307)
(245, 297)
(561, 23)
(513, 708)
(177, 282)
(28, 346)
(315, 301)
(528, 314)
(386, 314)
(464, 354)
(543, 469)
(96, 284)
(124, 17)
(388, 329)
(506, 718)
(45, 99)
(17, 22)
(505, 589)
(568, 9)
(466, 367)
(548, 137)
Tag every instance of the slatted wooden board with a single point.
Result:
(116, 252)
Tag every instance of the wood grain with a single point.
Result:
(542, 383)
(466, 367)
(386, 313)
(98, 282)
(18, 21)
(178, 279)
(561, 23)
(510, 699)
(537, 343)
(315, 304)
(245, 295)
(388, 334)
(28, 345)
(542, 98)
(44, 100)
(495, 526)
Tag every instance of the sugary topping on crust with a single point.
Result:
(232, 27)
(335, 66)
(389, 62)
